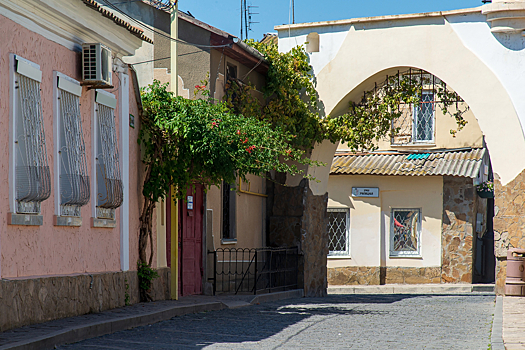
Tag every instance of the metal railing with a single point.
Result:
(255, 270)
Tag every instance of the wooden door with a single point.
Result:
(190, 233)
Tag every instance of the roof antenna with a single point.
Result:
(293, 11)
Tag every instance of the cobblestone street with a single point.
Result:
(334, 322)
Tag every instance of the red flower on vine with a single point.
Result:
(250, 149)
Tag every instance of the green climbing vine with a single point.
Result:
(188, 141)
(291, 102)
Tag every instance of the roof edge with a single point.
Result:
(378, 18)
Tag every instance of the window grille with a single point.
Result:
(424, 118)
(338, 232)
(109, 180)
(405, 228)
(32, 178)
(74, 180)
(417, 121)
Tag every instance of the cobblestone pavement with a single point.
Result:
(335, 322)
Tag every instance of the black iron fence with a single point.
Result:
(256, 270)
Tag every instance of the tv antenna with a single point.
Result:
(246, 18)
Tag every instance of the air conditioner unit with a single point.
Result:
(96, 65)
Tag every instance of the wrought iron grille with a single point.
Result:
(405, 231)
(256, 270)
(109, 181)
(33, 179)
(424, 118)
(415, 123)
(74, 180)
(338, 231)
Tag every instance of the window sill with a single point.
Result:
(72, 221)
(25, 219)
(103, 223)
(339, 257)
(412, 145)
(228, 241)
(405, 257)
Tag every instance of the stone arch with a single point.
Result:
(338, 82)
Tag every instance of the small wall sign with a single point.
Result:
(365, 192)
(190, 203)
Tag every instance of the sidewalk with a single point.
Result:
(73, 329)
(514, 323)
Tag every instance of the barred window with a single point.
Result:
(405, 229)
(32, 176)
(73, 176)
(339, 232)
(109, 191)
(424, 118)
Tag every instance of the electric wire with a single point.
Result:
(109, 4)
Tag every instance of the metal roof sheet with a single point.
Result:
(464, 163)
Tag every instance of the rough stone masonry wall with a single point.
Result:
(459, 217)
(354, 275)
(298, 218)
(509, 223)
(29, 301)
(374, 275)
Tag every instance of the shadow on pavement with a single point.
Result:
(250, 324)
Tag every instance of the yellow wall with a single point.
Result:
(250, 216)
(370, 217)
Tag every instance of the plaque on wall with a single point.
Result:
(365, 192)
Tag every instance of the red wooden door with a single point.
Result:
(190, 233)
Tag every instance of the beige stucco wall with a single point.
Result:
(250, 215)
(429, 42)
(370, 217)
(469, 136)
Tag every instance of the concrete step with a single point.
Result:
(413, 289)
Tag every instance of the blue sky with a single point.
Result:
(225, 14)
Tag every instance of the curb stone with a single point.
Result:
(496, 338)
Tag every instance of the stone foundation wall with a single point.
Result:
(410, 275)
(373, 275)
(509, 223)
(459, 218)
(354, 275)
(298, 218)
(28, 301)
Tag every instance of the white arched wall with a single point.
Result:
(371, 49)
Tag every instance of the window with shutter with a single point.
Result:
(109, 191)
(32, 180)
(73, 180)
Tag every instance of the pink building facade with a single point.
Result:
(69, 162)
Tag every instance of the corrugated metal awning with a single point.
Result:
(465, 163)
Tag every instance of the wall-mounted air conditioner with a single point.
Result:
(96, 65)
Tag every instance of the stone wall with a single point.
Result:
(354, 275)
(373, 275)
(28, 301)
(298, 218)
(509, 223)
(459, 218)
(410, 275)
